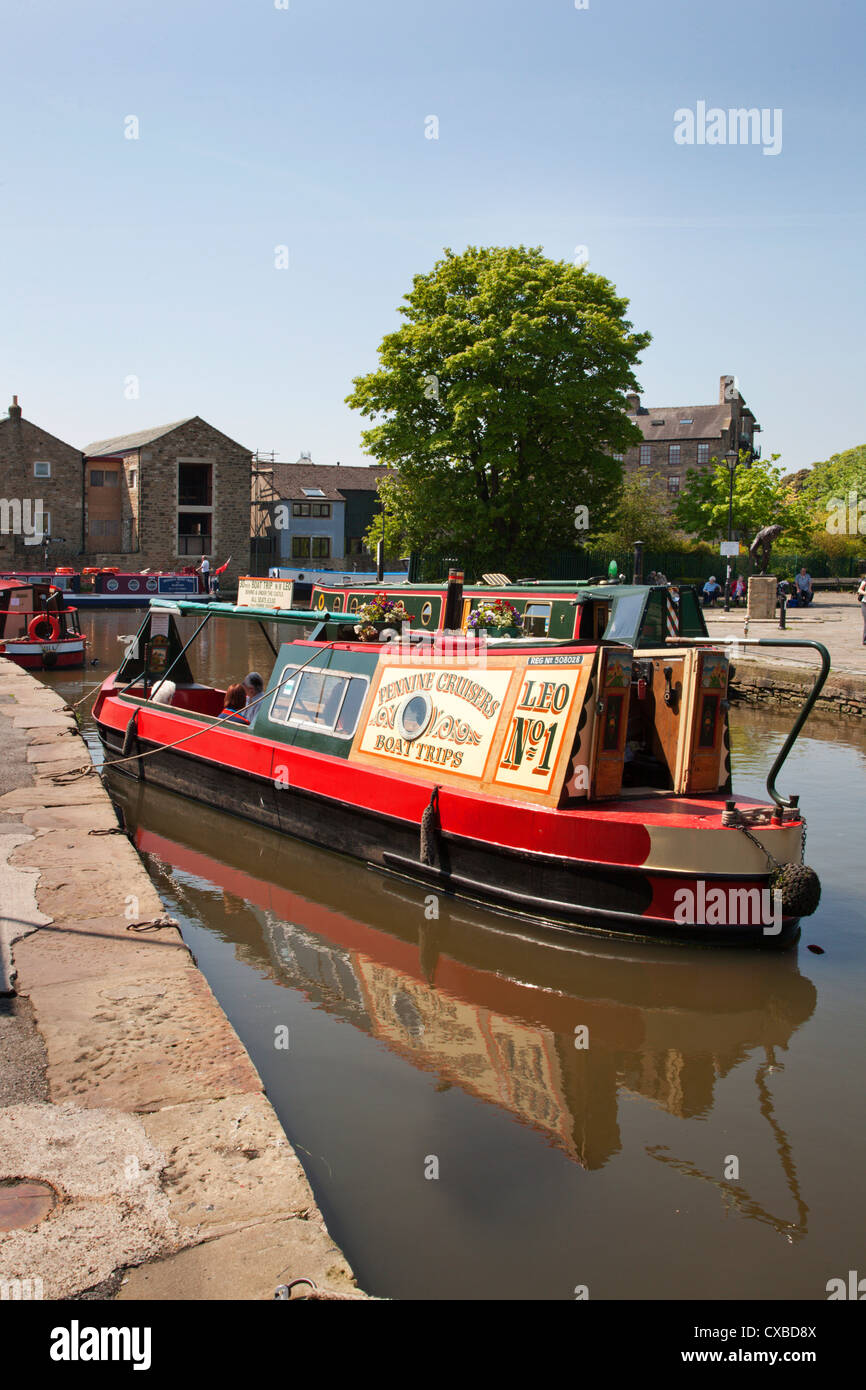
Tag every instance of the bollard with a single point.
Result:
(783, 609)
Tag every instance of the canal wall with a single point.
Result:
(125, 1088)
(773, 684)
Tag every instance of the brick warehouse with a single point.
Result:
(679, 437)
(35, 466)
(181, 491)
(156, 499)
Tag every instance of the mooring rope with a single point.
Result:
(164, 747)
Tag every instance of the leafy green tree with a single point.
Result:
(641, 514)
(499, 403)
(761, 498)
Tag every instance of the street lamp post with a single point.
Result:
(732, 458)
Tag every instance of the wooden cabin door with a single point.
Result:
(612, 703)
(706, 744)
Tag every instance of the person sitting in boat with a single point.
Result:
(254, 688)
(235, 702)
(163, 692)
(712, 589)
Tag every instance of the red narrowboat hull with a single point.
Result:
(624, 866)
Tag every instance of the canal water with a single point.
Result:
(462, 1142)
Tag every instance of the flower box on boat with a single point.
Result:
(584, 784)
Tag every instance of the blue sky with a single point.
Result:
(305, 127)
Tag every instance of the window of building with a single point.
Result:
(674, 455)
(355, 545)
(687, 422)
(320, 509)
(193, 533)
(536, 619)
(104, 528)
(112, 477)
(132, 477)
(195, 485)
(312, 492)
(619, 457)
(328, 703)
(703, 453)
(41, 468)
(646, 454)
(97, 477)
(300, 547)
(300, 509)
(321, 547)
(674, 483)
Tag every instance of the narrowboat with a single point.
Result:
(112, 588)
(542, 608)
(36, 630)
(583, 782)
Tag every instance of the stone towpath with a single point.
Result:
(125, 1086)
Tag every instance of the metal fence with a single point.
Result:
(568, 565)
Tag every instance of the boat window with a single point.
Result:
(625, 622)
(322, 700)
(426, 613)
(536, 619)
(353, 604)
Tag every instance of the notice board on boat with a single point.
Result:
(506, 728)
(255, 592)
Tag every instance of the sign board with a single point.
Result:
(174, 584)
(264, 593)
(729, 548)
(505, 727)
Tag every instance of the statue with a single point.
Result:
(763, 542)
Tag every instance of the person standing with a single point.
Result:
(861, 597)
(204, 571)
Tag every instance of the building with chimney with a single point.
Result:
(679, 437)
(40, 495)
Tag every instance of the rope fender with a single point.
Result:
(431, 831)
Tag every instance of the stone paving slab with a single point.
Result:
(19, 913)
(228, 1158)
(140, 1041)
(260, 1258)
(111, 1210)
(93, 948)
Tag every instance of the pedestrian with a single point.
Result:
(204, 571)
(804, 588)
(861, 599)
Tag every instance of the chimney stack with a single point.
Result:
(14, 409)
(632, 401)
(728, 389)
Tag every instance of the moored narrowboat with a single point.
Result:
(37, 630)
(583, 782)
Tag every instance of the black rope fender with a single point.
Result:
(431, 831)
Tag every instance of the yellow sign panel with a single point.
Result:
(536, 728)
(427, 719)
(264, 593)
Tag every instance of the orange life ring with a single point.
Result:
(36, 628)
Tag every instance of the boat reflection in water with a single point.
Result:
(501, 1011)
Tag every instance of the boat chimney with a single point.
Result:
(638, 562)
(453, 601)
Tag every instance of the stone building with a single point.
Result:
(163, 498)
(679, 437)
(40, 495)
(314, 515)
